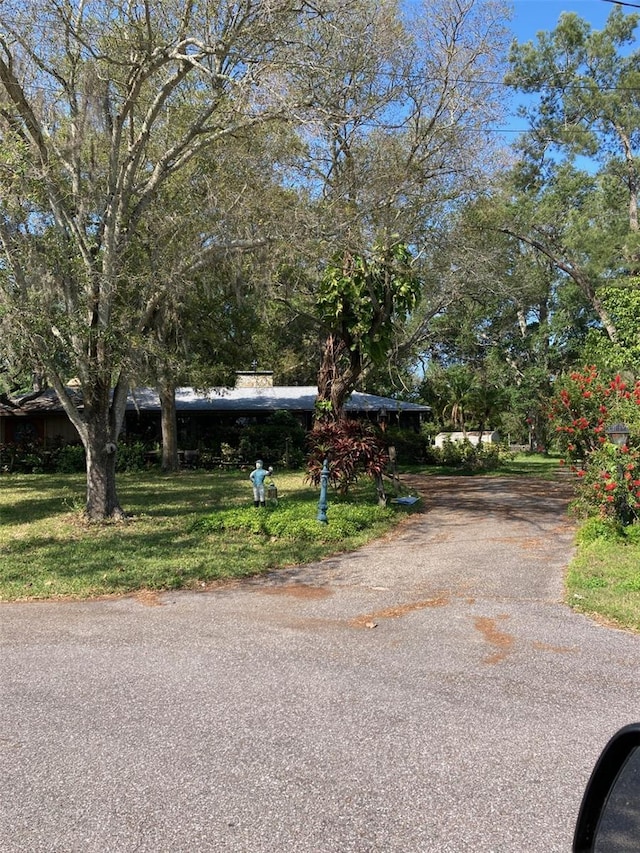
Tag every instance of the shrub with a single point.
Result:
(352, 448)
(280, 441)
(410, 446)
(70, 459)
(467, 456)
(609, 484)
(131, 457)
(608, 476)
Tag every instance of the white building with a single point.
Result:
(489, 436)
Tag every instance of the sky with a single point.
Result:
(531, 16)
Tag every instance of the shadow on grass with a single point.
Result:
(131, 560)
(52, 552)
(38, 509)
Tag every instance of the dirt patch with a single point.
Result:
(559, 650)
(149, 598)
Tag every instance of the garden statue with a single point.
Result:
(257, 477)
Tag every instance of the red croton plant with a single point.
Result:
(352, 448)
(584, 407)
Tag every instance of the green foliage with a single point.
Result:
(66, 459)
(362, 296)
(466, 396)
(594, 529)
(132, 456)
(466, 456)
(70, 459)
(609, 484)
(585, 403)
(362, 302)
(410, 446)
(295, 521)
(583, 221)
(352, 448)
(583, 78)
(281, 441)
(622, 302)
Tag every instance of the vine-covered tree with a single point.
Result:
(400, 142)
(360, 301)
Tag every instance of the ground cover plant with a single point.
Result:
(185, 531)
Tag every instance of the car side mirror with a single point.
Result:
(609, 817)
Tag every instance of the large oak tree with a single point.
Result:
(102, 105)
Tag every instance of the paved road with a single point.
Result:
(427, 693)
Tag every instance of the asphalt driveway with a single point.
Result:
(430, 692)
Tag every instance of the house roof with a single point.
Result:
(293, 398)
(45, 402)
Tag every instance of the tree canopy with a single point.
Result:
(102, 108)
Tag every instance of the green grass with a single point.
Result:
(185, 531)
(516, 465)
(531, 465)
(604, 578)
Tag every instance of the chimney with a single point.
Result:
(254, 379)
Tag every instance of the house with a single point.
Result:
(37, 420)
(200, 414)
(474, 437)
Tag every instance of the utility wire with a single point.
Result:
(621, 3)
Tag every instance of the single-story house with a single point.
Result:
(37, 420)
(252, 401)
(489, 436)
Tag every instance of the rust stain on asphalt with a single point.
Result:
(500, 640)
(149, 598)
(299, 590)
(398, 610)
(532, 544)
(560, 650)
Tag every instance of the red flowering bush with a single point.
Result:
(609, 476)
(609, 484)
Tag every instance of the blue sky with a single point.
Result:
(531, 16)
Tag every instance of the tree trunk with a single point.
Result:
(102, 498)
(581, 278)
(632, 177)
(340, 369)
(99, 426)
(169, 423)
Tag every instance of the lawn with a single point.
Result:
(604, 578)
(185, 531)
(198, 528)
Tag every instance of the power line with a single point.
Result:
(621, 3)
